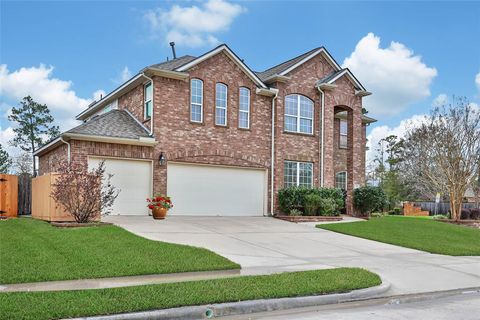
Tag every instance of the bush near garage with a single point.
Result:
(311, 201)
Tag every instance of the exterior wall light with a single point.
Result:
(162, 159)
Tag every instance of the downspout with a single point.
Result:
(68, 148)
(322, 135)
(272, 163)
(153, 101)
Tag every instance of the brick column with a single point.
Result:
(328, 155)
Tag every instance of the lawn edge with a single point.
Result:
(249, 306)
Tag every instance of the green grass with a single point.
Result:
(32, 250)
(411, 232)
(62, 304)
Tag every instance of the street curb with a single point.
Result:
(247, 307)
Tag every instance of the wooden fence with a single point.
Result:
(442, 207)
(43, 206)
(8, 195)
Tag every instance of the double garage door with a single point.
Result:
(196, 190)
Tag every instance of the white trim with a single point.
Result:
(322, 138)
(352, 78)
(145, 101)
(201, 101)
(137, 142)
(168, 74)
(298, 114)
(272, 163)
(240, 111)
(232, 55)
(218, 107)
(107, 97)
(312, 55)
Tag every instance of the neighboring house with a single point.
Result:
(200, 130)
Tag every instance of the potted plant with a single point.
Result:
(159, 204)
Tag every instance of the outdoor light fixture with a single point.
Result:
(162, 159)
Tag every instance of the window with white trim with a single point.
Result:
(341, 180)
(343, 143)
(244, 108)
(298, 114)
(148, 103)
(221, 104)
(196, 100)
(297, 174)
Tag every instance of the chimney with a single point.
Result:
(172, 44)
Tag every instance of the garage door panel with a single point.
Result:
(133, 179)
(216, 190)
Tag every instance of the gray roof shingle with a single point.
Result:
(283, 66)
(115, 123)
(173, 64)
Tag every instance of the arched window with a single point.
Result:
(298, 114)
(244, 108)
(196, 100)
(341, 180)
(221, 104)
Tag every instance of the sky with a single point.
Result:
(410, 55)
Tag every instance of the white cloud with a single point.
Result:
(126, 74)
(396, 77)
(6, 135)
(440, 100)
(193, 26)
(477, 80)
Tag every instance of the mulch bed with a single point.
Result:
(468, 223)
(309, 218)
(79, 225)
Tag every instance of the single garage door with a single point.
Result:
(203, 190)
(134, 179)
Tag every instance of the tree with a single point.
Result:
(34, 126)
(442, 154)
(5, 161)
(22, 164)
(84, 194)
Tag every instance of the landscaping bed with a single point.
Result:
(467, 223)
(309, 218)
(416, 233)
(79, 225)
(68, 304)
(33, 250)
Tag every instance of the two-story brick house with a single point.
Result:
(209, 132)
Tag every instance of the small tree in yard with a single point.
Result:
(442, 154)
(5, 160)
(84, 194)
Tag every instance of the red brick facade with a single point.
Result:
(184, 141)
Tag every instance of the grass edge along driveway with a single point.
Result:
(33, 250)
(410, 232)
(63, 304)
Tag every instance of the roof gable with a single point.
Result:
(330, 79)
(223, 48)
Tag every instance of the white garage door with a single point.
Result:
(216, 190)
(133, 178)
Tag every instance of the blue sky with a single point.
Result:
(62, 53)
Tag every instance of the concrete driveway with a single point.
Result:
(265, 245)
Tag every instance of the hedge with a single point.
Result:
(294, 198)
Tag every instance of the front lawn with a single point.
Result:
(411, 232)
(32, 250)
(63, 304)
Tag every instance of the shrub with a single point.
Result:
(311, 203)
(440, 216)
(475, 214)
(395, 212)
(377, 214)
(295, 213)
(294, 197)
(465, 214)
(328, 207)
(368, 199)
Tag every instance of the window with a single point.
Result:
(244, 108)
(148, 95)
(341, 180)
(220, 104)
(298, 114)
(196, 100)
(297, 174)
(343, 143)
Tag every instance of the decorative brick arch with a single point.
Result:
(214, 156)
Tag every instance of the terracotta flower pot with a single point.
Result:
(159, 213)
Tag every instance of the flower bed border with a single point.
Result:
(297, 219)
(79, 225)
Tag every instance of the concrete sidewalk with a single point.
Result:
(264, 245)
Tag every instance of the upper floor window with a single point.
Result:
(297, 174)
(343, 143)
(341, 180)
(196, 100)
(298, 114)
(148, 103)
(220, 104)
(244, 108)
